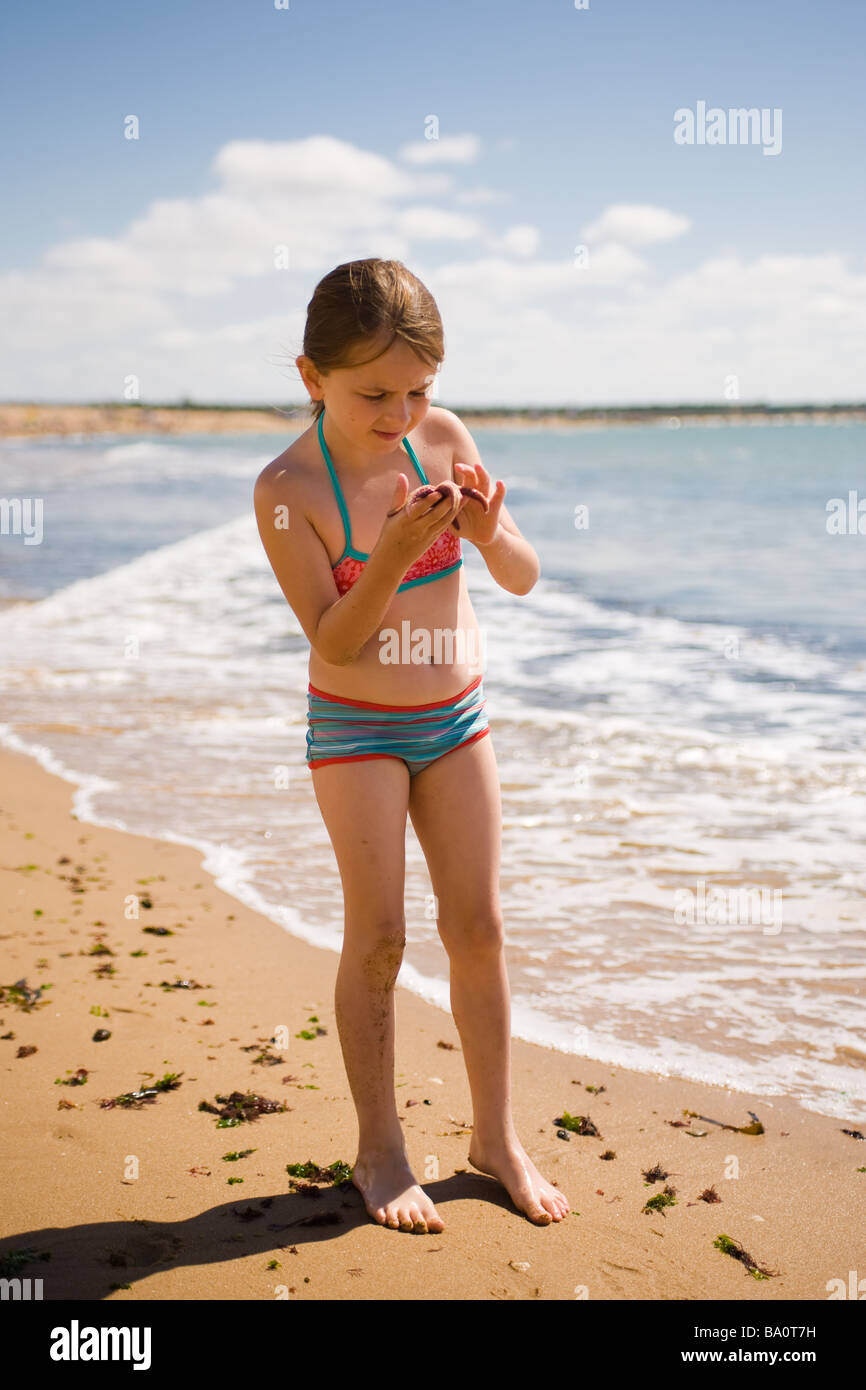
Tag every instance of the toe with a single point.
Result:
(417, 1218)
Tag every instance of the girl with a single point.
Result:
(367, 560)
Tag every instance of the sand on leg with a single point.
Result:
(456, 812)
(364, 805)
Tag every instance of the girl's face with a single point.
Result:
(380, 401)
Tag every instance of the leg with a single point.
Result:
(363, 805)
(456, 813)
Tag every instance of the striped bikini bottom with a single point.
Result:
(340, 730)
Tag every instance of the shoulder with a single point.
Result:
(445, 434)
(449, 430)
(285, 473)
(442, 426)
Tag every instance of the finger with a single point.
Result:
(399, 495)
(467, 472)
(480, 476)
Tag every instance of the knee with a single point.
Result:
(473, 934)
(378, 946)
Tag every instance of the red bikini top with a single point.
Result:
(443, 557)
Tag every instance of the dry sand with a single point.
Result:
(141, 1197)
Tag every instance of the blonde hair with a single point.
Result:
(360, 303)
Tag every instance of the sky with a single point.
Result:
(566, 178)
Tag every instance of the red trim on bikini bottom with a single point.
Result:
(361, 757)
(371, 704)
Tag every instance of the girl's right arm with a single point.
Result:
(339, 626)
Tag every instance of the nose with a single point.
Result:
(396, 423)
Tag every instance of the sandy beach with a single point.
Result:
(26, 420)
(139, 1202)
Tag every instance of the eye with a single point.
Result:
(381, 395)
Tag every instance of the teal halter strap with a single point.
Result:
(338, 490)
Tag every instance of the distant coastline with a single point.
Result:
(26, 419)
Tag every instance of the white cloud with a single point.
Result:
(522, 240)
(188, 298)
(636, 224)
(448, 149)
(482, 195)
(432, 224)
(319, 162)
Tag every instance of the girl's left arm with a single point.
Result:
(509, 557)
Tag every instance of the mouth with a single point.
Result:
(383, 435)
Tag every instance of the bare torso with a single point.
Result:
(442, 630)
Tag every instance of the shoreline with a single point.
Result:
(172, 1226)
(528, 1025)
(22, 420)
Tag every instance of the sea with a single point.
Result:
(678, 711)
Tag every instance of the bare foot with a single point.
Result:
(392, 1196)
(529, 1191)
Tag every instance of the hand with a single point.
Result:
(414, 521)
(479, 523)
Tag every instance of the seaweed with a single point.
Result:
(241, 1107)
(578, 1124)
(77, 1078)
(26, 1051)
(337, 1172)
(178, 984)
(655, 1174)
(608, 1154)
(754, 1128)
(303, 1188)
(22, 996)
(158, 931)
(854, 1133)
(709, 1194)
(248, 1213)
(134, 1100)
(266, 1058)
(13, 1260)
(131, 1100)
(665, 1198)
(736, 1251)
(169, 1082)
(236, 1154)
(449, 1047)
